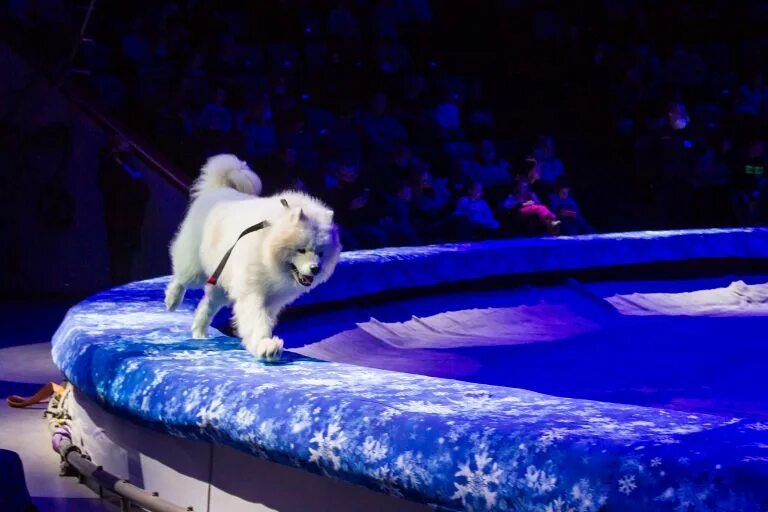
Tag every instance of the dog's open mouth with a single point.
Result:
(302, 279)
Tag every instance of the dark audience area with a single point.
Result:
(427, 122)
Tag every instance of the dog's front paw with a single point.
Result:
(268, 349)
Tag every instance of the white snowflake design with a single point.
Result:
(656, 461)
(627, 484)
(584, 497)
(387, 481)
(558, 505)
(457, 431)
(412, 470)
(388, 414)
(329, 444)
(301, 419)
(211, 413)
(539, 480)
(549, 436)
(481, 482)
(374, 450)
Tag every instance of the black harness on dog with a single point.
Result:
(256, 227)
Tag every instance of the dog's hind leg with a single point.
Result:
(214, 299)
(186, 273)
(185, 258)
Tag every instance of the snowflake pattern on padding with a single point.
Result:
(478, 480)
(627, 484)
(329, 445)
(450, 444)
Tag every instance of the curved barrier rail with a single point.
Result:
(451, 444)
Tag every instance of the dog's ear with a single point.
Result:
(297, 215)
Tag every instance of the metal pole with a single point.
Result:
(123, 488)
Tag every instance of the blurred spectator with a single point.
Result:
(675, 155)
(750, 184)
(432, 195)
(136, 43)
(358, 209)
(257, 129)
(381, 128)
(488, 168)
(399, 167)
(432, 204)
(397, 215)
(296, 135)
(342, 23)
(284, 171)
(543, 189)
(527, 204)
(550, 167)
(569, 213)
(714, 168)
(480, 117)
(753, 96)
(215, 116)
(685, 68)
(476, 214)
(448, 116)
(391, 57)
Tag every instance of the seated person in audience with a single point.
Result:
(749, 182)
(380, 127)
(488, 169)
(527, 204)
(569, 213)
(432, 194)
(447, 117)
(215, 116)
(475, 216)
(432, 200)
(395, 168)
(257, 129)
(357, 209)
(543, 189)
(397, 215)
(550, 167)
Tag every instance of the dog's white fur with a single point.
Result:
(266, 268)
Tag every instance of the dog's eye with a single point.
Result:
(319, 254)
(301, 251)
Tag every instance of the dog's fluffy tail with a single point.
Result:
(226, 171)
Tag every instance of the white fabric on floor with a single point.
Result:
(737, 299)
(484, 327)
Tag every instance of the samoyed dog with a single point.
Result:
(292, 246)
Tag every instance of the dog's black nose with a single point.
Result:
(314, 269)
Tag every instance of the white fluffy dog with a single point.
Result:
(296, 250)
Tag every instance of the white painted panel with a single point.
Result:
(178, 469)
(243, 483)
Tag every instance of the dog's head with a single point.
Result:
(305, 246)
